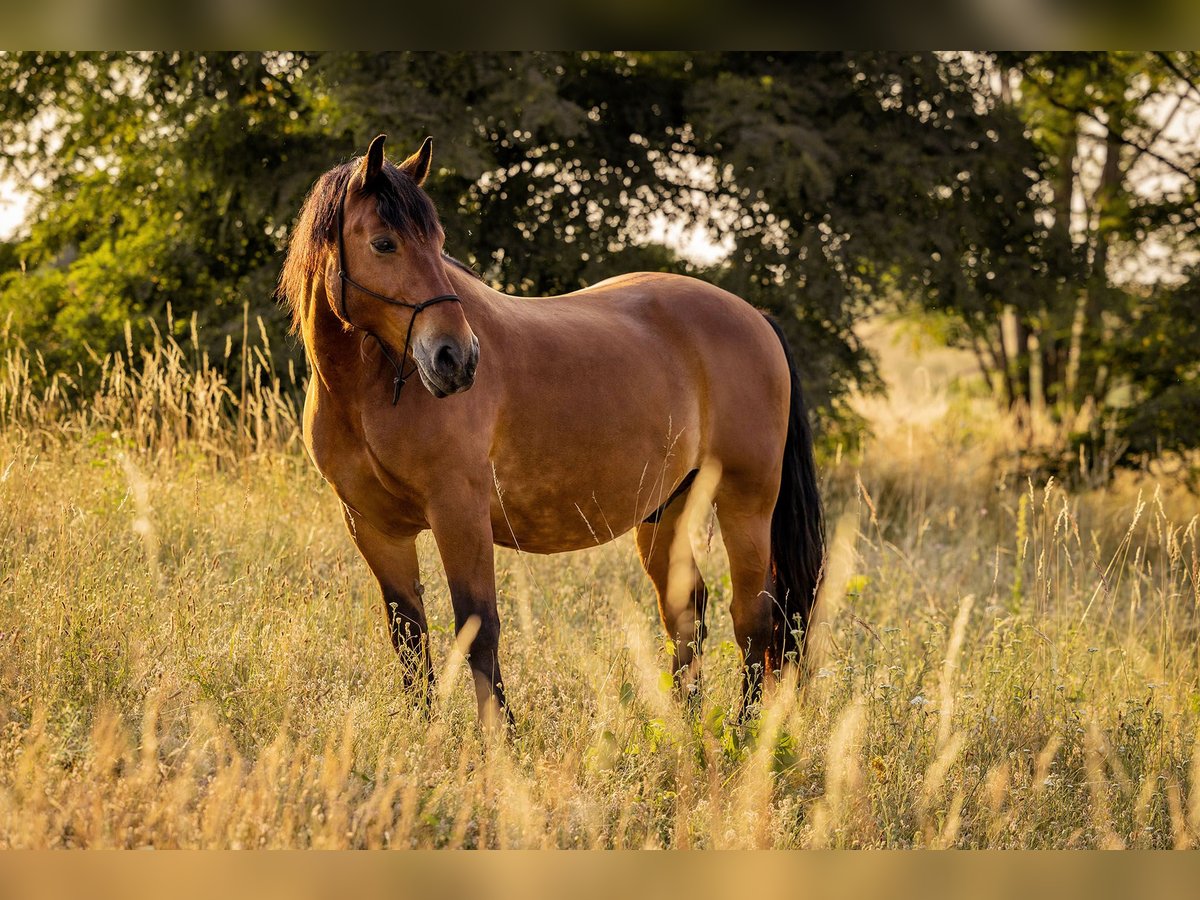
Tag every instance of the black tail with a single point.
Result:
(797, 528)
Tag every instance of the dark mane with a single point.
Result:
(462, 266)
(399, 201)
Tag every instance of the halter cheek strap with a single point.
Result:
(345, 279)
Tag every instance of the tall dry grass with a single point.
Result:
(162, 398)
(192, 654)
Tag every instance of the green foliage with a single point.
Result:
(162, 179)
(1091, 180)
(810, 167)
(834, 182)
(172, 178)
(1161, 413)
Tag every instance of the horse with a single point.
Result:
(538, 418)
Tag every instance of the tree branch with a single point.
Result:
(1189, 173)
(1165, 58)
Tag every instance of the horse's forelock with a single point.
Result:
(402, 204)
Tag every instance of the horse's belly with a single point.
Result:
(579, 492)
(566, 520)
(560, 538)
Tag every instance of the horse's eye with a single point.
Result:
(383, 245)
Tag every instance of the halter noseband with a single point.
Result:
(345, 279)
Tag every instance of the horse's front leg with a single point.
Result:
(463, 532)
(393, 561)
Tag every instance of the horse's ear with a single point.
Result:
(372, 164)
(417, 165)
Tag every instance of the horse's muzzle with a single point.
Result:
(449, 368)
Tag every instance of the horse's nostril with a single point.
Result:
(446, 361)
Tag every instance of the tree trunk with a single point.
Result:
(1056, 331)
(1021, 360)
(1090, 325)
(1006, 369)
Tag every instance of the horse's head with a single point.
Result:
(387, 266)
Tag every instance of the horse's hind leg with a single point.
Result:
(393, 562)
(746, 529)
(682, 606)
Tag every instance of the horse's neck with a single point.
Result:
(334, 353)
(483, 307)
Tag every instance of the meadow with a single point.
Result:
(192, 654)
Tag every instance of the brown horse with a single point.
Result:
(542, 417)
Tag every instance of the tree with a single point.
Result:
(1115, 180)
(869, 174)
(161, 179)
(1157, 344)
(835, 181)
(820, 172)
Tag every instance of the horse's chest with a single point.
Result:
(390, 502)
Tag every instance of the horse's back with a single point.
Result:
(644, 320)
(708, 314)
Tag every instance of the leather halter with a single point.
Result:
(345, 279)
